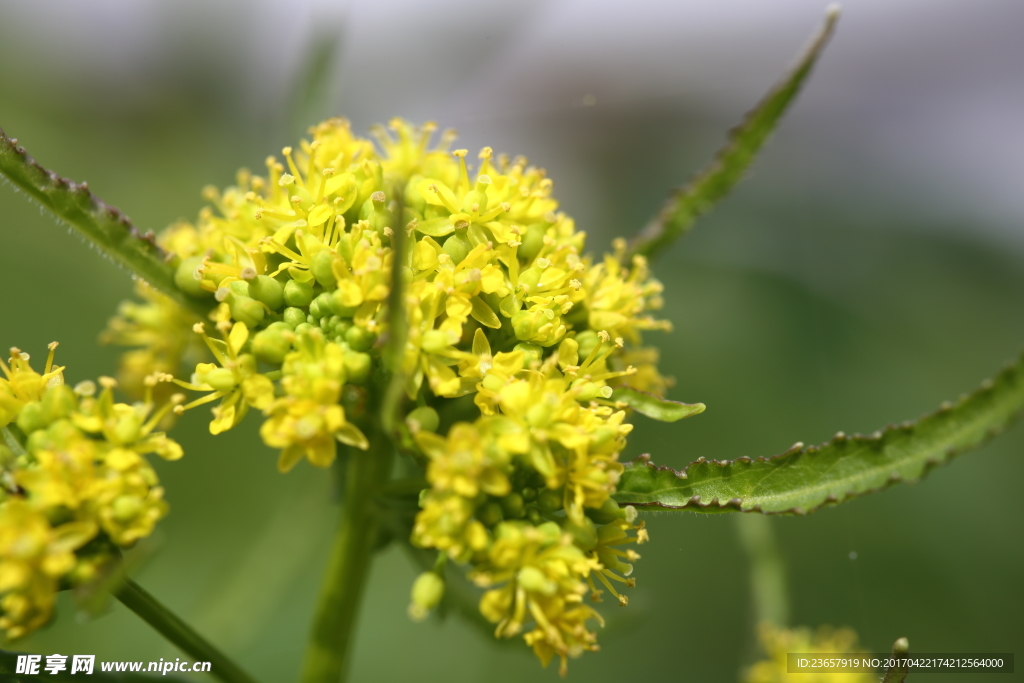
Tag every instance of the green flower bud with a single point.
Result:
(39, 440)
(531, 352)
(323, 304)
(185, 277)
(294, 317)
(268, 290)
(423, 418)
(512, 506)
(221, 379)
(360, 338)
(588, 390)
(128, 429)
(529, 494)
(533, 240)
(320, 266)
(298, 293)
(338, 308)
(534, 517)
(246, 310)
(315, 312)
(457, 246)
(527, 323)
(31, 417)
(534, 580)
(239, 287)
(609, 512)
(357, 366)
(489, 514)
(58, 401)
(549, 501)
(126, 508)
(271, 345)
(540, 415)
(427, 591)
(303, 328)
(341, 327)
(434, 341)
(587, 341)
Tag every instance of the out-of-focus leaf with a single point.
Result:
(655, 407)
(730, 163)
(804, 479)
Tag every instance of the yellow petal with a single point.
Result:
(350, 435)
(288, 458)
(319, 214)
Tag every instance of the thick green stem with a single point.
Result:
(327, 655)
(170, 626)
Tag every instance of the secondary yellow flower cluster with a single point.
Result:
(499, 302)
(777, 643)
(74, 485)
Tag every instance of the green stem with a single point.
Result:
(170, 626)
(767, 572)
(328, 651)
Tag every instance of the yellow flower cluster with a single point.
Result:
(500, 301)
(777, 643)
(74, 485)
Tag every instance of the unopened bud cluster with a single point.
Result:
(514, 341)
(74, 485)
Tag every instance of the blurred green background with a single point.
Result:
(870, 268)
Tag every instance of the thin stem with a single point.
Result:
(767, 572)
(328, 651)
(170, 626)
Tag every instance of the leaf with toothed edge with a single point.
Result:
(730, 163)
(654, 407)
(804, 479)
(101, 224)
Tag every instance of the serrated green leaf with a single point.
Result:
(730, 163)
(804, 479)
(654, 407)
(9, 661)
(103, 225)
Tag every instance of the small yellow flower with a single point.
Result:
(22, 385)
(79, 474)
(466, 462)
(161, 330)
(33, 557)
(307, 420)
(779, 642)
(544, 575)
(235, 380)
